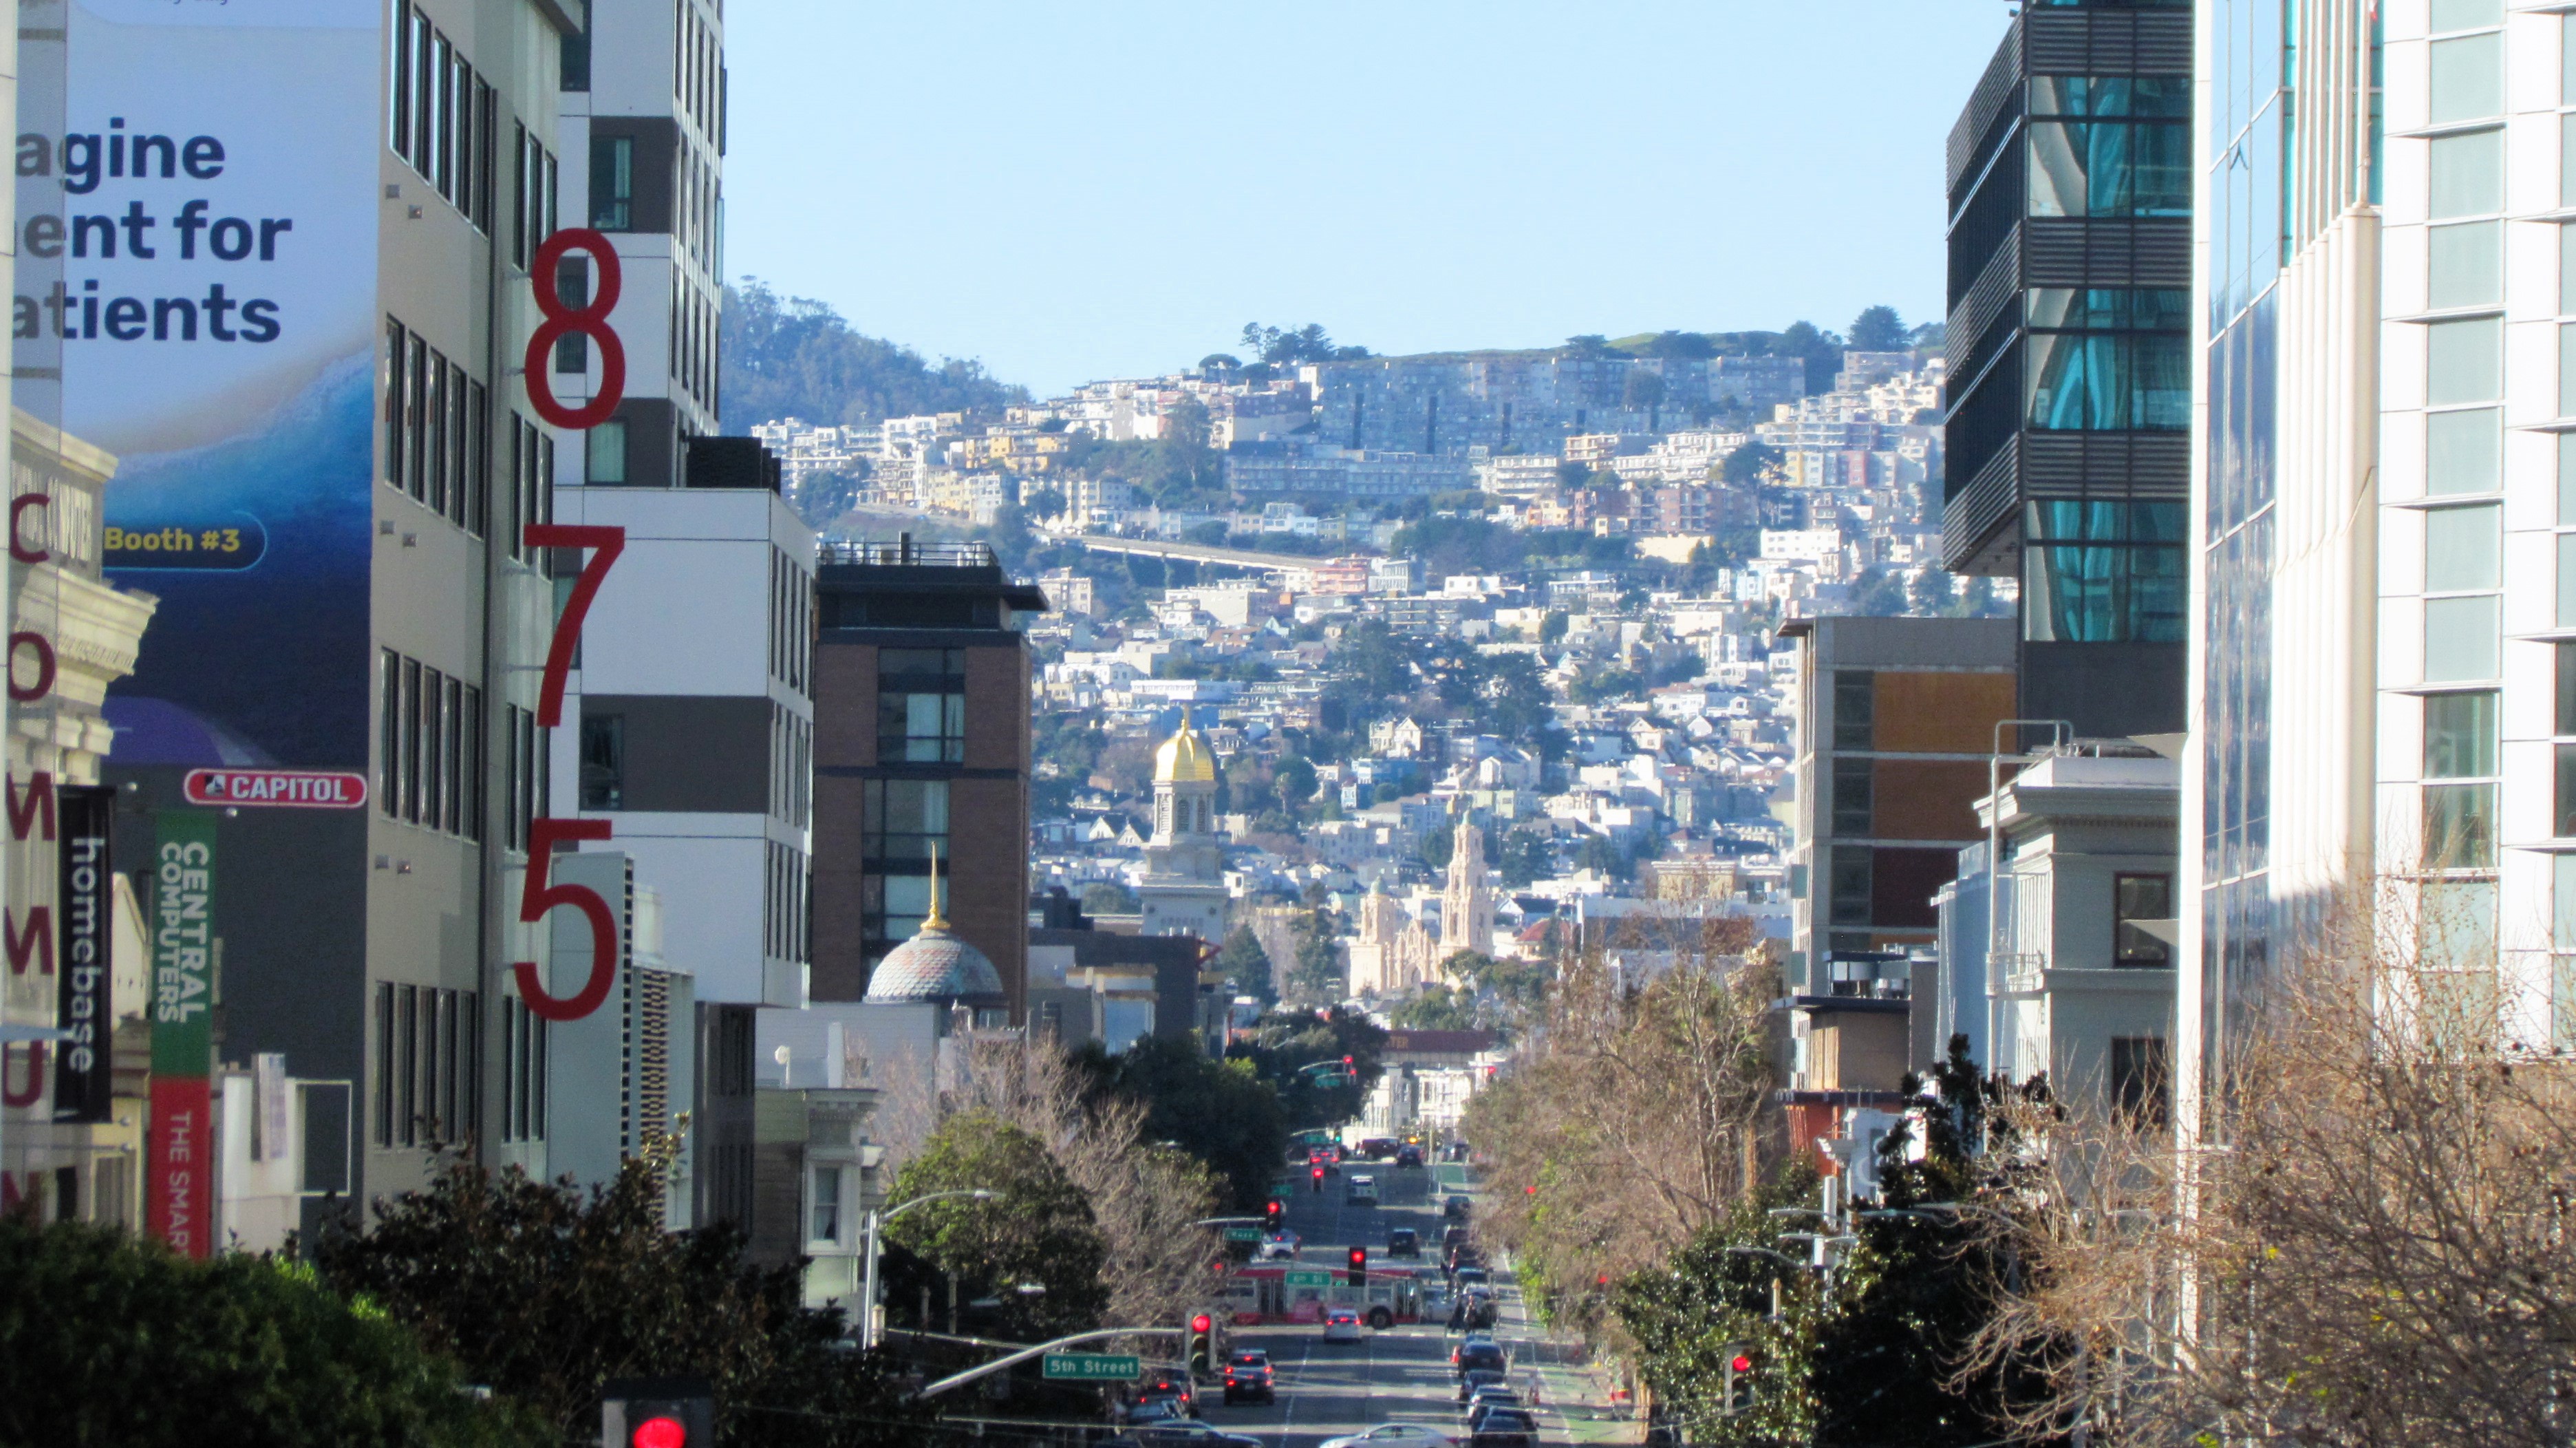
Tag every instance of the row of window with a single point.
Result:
(902, 823)
(438, 444)
(791, 766)
(921, 706)
(693, 343)
(430, 764)
(697, 70)
(523, 1072)
(785, 928)
(527, 773)
(2461, 770)
(443, 116)
(538, 175)
(791, 621)
(428, 1048)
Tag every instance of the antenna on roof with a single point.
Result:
(934, 920)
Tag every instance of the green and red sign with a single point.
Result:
(180, 1194)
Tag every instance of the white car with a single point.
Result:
(1281, 1247)
(1395, 1435)
(1341, 1325)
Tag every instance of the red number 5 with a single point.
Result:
(537, 897)
(590, 320)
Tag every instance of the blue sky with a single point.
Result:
(1097, 188)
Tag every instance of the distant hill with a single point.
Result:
(796, 357)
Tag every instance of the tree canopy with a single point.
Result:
(796, 357)
(1040, 1231)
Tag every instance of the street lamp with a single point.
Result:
(874, 1241)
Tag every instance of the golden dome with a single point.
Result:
(1184, 759)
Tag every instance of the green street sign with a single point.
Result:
(1091, 1367)
(1243, 1234)
(1307, 1277)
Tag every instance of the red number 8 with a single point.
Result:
(590, 321)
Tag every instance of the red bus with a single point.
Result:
(1271, 1292)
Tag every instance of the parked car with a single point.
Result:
(1341, 1324)
(1455, 1207)
(1408, 1156)
(1506, 1428)
(1175, 1391)
(1404, 1242)
(1378, 1148)
(1190, 1434)
(1485, 1400)
(1249, 1378)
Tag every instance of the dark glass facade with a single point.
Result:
(2069, 409)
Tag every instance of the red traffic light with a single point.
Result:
(659, 1433)
(1202, 1323)
(1742, 1364)
(1319, 1173)
(1359, 1256)
(1346, 1063)
(1601, 1281)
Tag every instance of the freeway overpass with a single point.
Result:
(1196, 552)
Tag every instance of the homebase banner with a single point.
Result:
(179, 1195)
(215, 197)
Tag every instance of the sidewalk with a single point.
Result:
(1572, 1391)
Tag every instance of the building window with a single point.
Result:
(2464, 361)
(2460, 639)
(2467, 175)
(1849, 903)
(572, 288)
(2136, 898)
(2467, 78)
(2123, 151)
(2465, 264)
(612, 183)
(603, 761)
(2562, 941)
(921, 706)
(1855, 706)
(2103, 572)
(1852, 790)
(2464, 450)
(2108, 359)
(2140, 1078)
(2459, 780)
(604, 453)
(827, 1204)
(2462, 547)
(2565, 714)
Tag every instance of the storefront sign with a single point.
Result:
(277, 788)
(85, 1070)
(181, 1190)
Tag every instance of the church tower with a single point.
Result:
(1466, 906)
(1183, 892)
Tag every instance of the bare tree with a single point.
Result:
(2369, 1248)
(1628, 1122)
(1144, 1198)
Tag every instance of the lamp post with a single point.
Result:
(874, 1239)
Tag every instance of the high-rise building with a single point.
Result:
(311, 378)
(2069, 371)
(921, 746)
(2311, 303)
(690, 721)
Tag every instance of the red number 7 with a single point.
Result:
(608, 542)
(537, 897)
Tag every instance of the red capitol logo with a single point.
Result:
(277, 788)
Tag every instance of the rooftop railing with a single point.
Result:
(906, 552)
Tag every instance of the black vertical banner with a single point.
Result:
(86, 897)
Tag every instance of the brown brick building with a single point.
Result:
(921, 748)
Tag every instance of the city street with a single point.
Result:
(1401, 1375)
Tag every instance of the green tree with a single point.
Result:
(1524, 858)
(1552, 626)
(1880, 593)
(1930, 593)
(107, 1341)
(1247, 965)
(1436, 1008)
(1108, 897)
(543, 1293)
(1821, 350)
(1643, 390)
(796, 357)
(1879, 329)
(1294, 778)
(1219, 1111)
(1745, 466)
(1039, 1232)
(1318, 974)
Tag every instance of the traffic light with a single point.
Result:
(1359, 1266)
(1274, 1214)
(1319, 1181)
(1202, 1343)
(657, 1413)
(1739, 1382)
